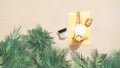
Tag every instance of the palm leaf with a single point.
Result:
(98, 60)
(38, 39)
(12, 52)
(114, 60)
(79, 61)
(54, 57)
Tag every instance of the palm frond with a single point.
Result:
(38, 39)
(98, 60)
(114, 60)
(54, 57)
(79, 61)
(12, 54)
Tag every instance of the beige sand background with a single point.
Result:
(52, 15)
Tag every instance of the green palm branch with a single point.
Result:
(12, 54)
(37, 39)
(114, 60)
(79, 61)
(55, 57)
(8, 47)
(98, 60)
